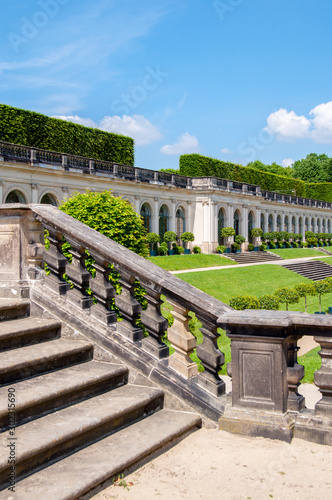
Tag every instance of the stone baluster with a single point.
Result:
(79, 276)
(295, 373)
(182, 341)
(129, 308)
(103, 292)
(323, 377)
(155, 324)
(56, 263)
(212, 359)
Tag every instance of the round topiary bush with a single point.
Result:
(197, 249)
(111, 216)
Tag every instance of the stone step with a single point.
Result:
(61, 388)
(29, 361)
(77, 474)
(58, 434)
(26, 331)
(12, 309)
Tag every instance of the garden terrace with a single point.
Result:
(265, 373)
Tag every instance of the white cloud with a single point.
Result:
(288, 125)
(287, 162)
(87, 122)
(137, 126)
(226, 151)
(186, 144)
(322, 123)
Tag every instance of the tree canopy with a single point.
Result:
(313, 168)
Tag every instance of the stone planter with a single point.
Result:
(186, 251)
(153, 253)
(170, 252)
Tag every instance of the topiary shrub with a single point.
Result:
(269, 302)
(239, 239)
(178, 249)
(112, 216)
(263, 248)
(235, 247)
(242, 302)
(287, 295)
(272, 245)
(295, 245)
(187, 236)
(220, 248)
(153, 239)
(227, 231)
(197, 249)
(256, 232)
(170, 236)
(312, 241)
(287, 244)
(251, 247)
(163, 249)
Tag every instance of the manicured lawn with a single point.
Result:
(326, 259)
(311, 362)
(192, 261)
(296, 253)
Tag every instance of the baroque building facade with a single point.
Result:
(166, 202)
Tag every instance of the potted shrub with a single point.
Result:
(197, 249)
(163, 249)
(227, 232)
(239, 240)
(251, 247)
(235, 248)
(153, 239)
(220, 249)
(322, 287)
(257, 234)
(169, 237)
(187, 236)
(263, 247)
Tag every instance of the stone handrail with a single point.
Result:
(35, 156)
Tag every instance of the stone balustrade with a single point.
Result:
(24, 154)
(98, 296)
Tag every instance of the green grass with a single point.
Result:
(328, 260)
(296, 253)
(311, 362)
(192, 261)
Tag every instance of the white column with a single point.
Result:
(188, 218)
(206, 221)
(244, 228)
(137, 203)
(34, 192)
(155, 221)
(296, 224)
(258, 217)
(1, 191)
(230, 215)
(214, 222)
(172, 217)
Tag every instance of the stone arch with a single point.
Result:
(237, 221)
(263, 223)
(49, 199)
(163, 220)
(251, 225)
(278, 228)
(180, 221)
(221, 224)
(293, 225)
(286, 224)
(15, 196)
(146, 214)
(270, 223)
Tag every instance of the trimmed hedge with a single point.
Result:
(28, 128)
(196, 165)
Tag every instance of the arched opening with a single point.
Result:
(318, 225)
(180, 222)
(293, 225)
(163, 221)
(270, 224)
(221, 225)
(146, 216)
(250, 226)
(300, 225)
(279, 223)
(49, 199)
(263, 223)
(15, 196)
(312, 225)
(329, 226)
(307, 224)
(324, 226)
(286, 224)
(237, 222)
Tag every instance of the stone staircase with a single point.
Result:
(252, 257)
(313, 269)
(323, 250)
(78, 422)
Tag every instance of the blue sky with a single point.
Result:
(237, 80)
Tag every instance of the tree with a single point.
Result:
(152, 239)
(322, 287)
(227, 231)
(257, 232)
(314, 168)
(287, 295)
(304, 290)
(111, 216)
(274, 168)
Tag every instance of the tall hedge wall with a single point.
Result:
(196, 165)
(28, 128)
(319, 190)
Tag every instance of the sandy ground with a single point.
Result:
(213, 465)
